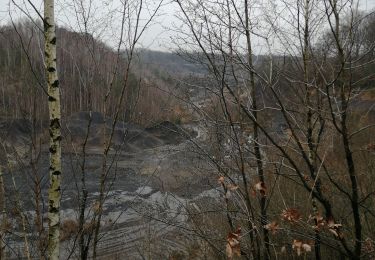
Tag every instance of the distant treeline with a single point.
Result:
(87, 68)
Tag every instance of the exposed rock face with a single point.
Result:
(126, 136)
(17, 133)
(168, 132)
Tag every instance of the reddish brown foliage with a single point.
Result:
(233, 246)
(291, 215)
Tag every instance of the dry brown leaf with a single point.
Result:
(233, 246)
(261, 187)
(292, 215)
(232, 187)
(273, 227)
(297, 245)
(306, 248)
(300, 247)
(319, 221)
(229, 251)
(221, 179)
(334, 232)
(334, 228)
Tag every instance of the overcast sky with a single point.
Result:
(157, 37)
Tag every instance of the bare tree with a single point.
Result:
(294, 94)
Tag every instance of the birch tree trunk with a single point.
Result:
(2, 215)
(54, 192)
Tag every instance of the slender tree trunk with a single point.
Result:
(19, 208)
(345, 88)
(309, 121)
(54, 192)
(257, 152)
(84, 247)
(2, 214)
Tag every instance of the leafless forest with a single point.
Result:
(251, 135)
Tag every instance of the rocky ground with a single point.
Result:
(155, 175)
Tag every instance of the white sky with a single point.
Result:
(157, 37)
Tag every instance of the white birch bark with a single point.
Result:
(54, 192)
